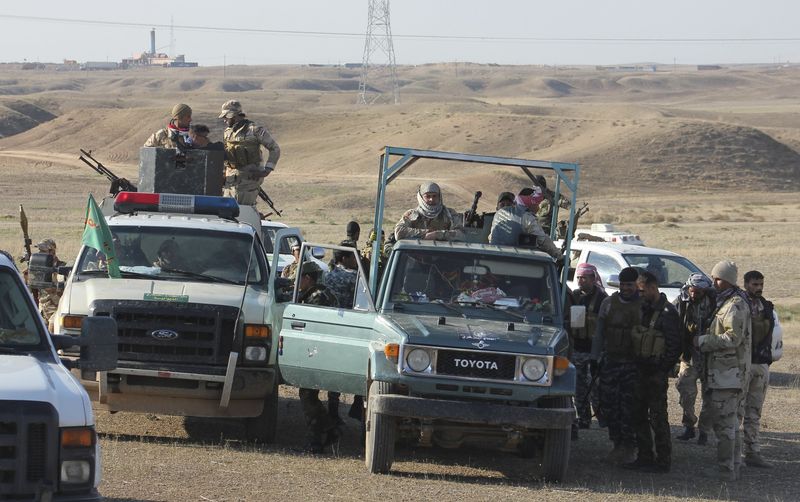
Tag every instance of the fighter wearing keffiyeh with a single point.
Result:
(431, 219)
(511, 222)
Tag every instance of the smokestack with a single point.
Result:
(153, 41)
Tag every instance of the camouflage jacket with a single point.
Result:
(243, 136)
(727, 345)
(318, 294)
(413, 225)
(342, 282)
(289, 271)
(165, 138)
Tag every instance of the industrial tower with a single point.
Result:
(378, 72)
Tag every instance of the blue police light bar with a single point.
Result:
(131, 202)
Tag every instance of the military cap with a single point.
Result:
(231, 109)
(47, 245)
(310, 268)
(180, 110)
(727, 271)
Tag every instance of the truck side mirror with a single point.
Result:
(577, 316)
(318, 252)
(613, 280)
(40, 271)
(98, 341)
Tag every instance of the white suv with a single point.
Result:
(671, 268)
(48, 443)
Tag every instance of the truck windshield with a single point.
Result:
(180, 254)
(671, 271)
(18, 324)
(468, 282)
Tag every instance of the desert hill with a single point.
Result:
(689, 129)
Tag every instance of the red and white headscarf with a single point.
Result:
(531, 201)
(589, 269)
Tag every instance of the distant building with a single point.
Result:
(100, 65)
(702, 67)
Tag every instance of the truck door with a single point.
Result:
(327, 347)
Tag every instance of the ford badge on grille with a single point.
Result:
(164, 334)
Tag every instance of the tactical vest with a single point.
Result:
(618, 328)
(760, 325)
(587, 332)
(648, 341)
(241, 149)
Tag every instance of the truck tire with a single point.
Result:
(555, 457)
(380, 434)
(262, 428)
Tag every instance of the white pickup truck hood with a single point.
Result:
(84, 292)
(26, 378)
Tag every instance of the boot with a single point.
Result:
(688, 433)
(702, 439)
(356, 410)
(627, 454)
(333, 407)
(756, 460)
(614, 454)
(639, 464)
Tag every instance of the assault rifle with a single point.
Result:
(562, 225)
(471, 218)
(263, 196)
(117, 184)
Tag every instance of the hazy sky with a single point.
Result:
(674, 20)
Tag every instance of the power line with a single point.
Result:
(475, 38)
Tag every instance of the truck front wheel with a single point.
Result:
(262, 427)
(380, 435)
(556, 445)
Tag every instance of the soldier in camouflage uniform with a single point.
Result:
(590, 294)
(613, 340)
(245, 168)
(177, 131)
(696, 307)
(430, 220)
(290, 270)
(49, 297)
(656, 347)
(322, 428)
(762, 322)
(727, 347)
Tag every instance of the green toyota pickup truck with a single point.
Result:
(456, 342)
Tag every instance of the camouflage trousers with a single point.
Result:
(243, 184)
(617, 386)
(651, 418)
(48, 304)
(317, 418)
(727, 408)
(688, 376)
(753, 403)
(584, 400)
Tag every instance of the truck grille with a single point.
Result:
(28, 447)
(167, 332)
(476, 364)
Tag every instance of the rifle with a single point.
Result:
(562, 225)
(470, 216)
(117, 184)
(263, 195)
(23, 222)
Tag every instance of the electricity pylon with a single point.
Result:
(378, 71)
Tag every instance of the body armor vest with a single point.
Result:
(648, 341)
(619, 324)
(760, 325)
(587, 332)
(242, 149)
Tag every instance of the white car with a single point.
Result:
(609, 233)
(671, 268)
(268, 231)
(48, 443)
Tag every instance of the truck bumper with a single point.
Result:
(472, 412)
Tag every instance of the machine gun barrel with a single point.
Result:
(263, 196)
(117, 184)
(469, 218)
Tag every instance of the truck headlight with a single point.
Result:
(75, 471)
(534, 369)
(418, 360)
(255, 353)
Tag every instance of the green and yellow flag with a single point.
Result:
(97, 235)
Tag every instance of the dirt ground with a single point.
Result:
(701, 164)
